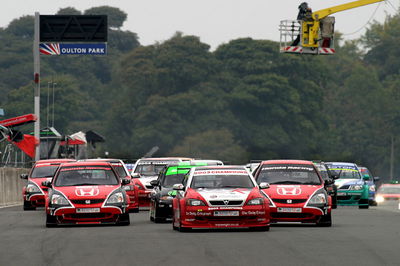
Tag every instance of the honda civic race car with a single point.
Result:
(220, 197)
(352, 188)
(147, 170)
(131, 190)
(370, 180)
(388, 192)
(163, 192)
(34, 192)
(296, 192)
(86, 193)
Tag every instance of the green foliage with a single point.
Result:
(68, 11)
(116, 17)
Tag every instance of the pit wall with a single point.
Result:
(11, 185)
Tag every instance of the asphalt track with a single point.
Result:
(358, 237)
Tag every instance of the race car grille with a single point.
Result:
(289, 201)
(348, 197)
(291, 215)
(391, 198)
(86, 215)
(87, 201)
(226, 203)
(344, 187)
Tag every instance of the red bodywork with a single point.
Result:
(216, 213)
(38, 199)
(132, 190)
(288, 202)
(389, 196)
(87, 197)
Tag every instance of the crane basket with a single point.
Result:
(291, 37)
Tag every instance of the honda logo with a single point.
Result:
(288, 190)
(226, 202)
(88, 192)
(87, 201)
(289, 201)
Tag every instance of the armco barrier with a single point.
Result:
(11, 185)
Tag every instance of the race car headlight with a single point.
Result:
(32, 188)
(379, 199)
(372, 188)
(256, 201)
(116, 198)
(318, 198)
(59, 200)
(195, 202)
(356, 187)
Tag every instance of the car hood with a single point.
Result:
(84, 192)
(291, 191)
(145, 180)
(340, 182)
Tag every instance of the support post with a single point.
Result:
(36, 74)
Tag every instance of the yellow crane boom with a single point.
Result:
(311, 28)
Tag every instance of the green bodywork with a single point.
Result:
(347, 197)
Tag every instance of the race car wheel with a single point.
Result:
(28, 206)
(135, 210)
(365, 204)
(157, 219)
(325, 221)
(334, 202)
(124, 219)
(51, 221)
(260, 228)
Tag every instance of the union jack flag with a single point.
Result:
(49, 48)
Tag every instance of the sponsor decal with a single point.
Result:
(292, 191)
(199, 213)
(84, 168)
(87, 191)
(72, 48)
(306, 168)
(253, 213)
(220, 172)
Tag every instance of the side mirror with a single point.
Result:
(377, 178)
(125, 181)
(23, 176)
(178, 187)
(154, 183)
(46, 184)
(328, 182)
(366, 177)
(263, 185)
(135, 175)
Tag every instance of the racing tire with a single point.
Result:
(135, 210)
(124, 219)
(325, 220)
(157, 219)
(260, 228)
(334, 202)
(51, 221)
(184, 229)
(365, 204)
(28, 206)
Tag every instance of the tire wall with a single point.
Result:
(11, 185)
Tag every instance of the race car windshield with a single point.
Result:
(389, 190)
(171, 180)
(44, 171)
(120, 171)
(346, 173)
(149, 169)
(219, 179)
(323, 171)
(288, 174)
(82, 176)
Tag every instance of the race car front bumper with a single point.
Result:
(87, 214)
(224, 217)
(36, 199)
(352, 197)
(298, 213)
(144, 198)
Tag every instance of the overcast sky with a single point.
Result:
(214, 21)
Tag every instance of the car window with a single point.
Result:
(75, 176)
(44, 171)
(288, 174)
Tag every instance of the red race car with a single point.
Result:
(220, 197)
(86, 193)
(34, 192)
(146, 170)
(296, 192)
(388, 192)
(131, 190)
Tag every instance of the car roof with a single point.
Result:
(55, 161)
(93, 163)
(101, 160)
(220, 167)
(287, 161)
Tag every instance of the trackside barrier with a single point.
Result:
(11, 185)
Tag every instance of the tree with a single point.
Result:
(116, 17)
(68, 11)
